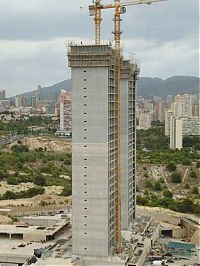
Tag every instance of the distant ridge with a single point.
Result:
(146, 87)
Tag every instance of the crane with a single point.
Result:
(95, 10)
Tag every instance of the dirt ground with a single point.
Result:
(48, 143)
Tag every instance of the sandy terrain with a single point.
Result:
(35, 201)
(50, 144)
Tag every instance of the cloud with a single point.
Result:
(164, 36)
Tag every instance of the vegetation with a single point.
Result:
(152, 139)
(31, 192)
(193, 174)
(167, 194)
(185, 205)
(25, 124)
(171, 167)
(166, 157)
(42, 168)
(176, 177)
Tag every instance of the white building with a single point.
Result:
(168, 114)
(4, 105)
(145, 120)
(182, 106)
(191, 126)
(176, 133)
(93, 148)
(2, 95)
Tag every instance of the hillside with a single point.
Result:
(146, 87)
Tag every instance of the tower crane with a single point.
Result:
(95, 10)
(120, 8)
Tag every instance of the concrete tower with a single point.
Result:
(93, 148)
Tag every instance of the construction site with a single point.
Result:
(104, 227)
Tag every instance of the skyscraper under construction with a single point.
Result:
(94, 150)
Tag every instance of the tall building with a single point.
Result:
(168, 114)
(170, 98)
(65, 111)
(191, 126)
(2, 95)
(4, 105)
(21, 101)
(145, 120)
(176, 133)
(33, 101)
(38, 93)
(94, 157)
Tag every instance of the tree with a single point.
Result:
(176, 177)
(193, 174)
(186, 161)
(148, 183)
(39, 181)
(157, 186)
(19, 148)
(187, 186)
(198, 164)
(171, 167)
(195, 190)
(167, 194)
(142, 200)
(185, 205)
(67, 190)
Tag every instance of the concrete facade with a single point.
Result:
(93, 148)
(129, 74)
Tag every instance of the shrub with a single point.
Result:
(19, 148)
(67, 190)
(186, 161)
(171, 167)
(193, 174)
(39, 181)
(176, 177)
(187, 186)
(167, 194)
(148, 183)
(157, 186)
(195, 190)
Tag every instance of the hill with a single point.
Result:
(146, 87)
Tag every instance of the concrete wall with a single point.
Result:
(127, 151)
(39, 222)
(90, 161)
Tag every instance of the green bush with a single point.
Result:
(171, 167)
(195, 190)
(193, 174)
(39, 180)
(167, 194)
(186, 161)
(31, 192)
(157, 186)
(176, 177)
(19, 148)
(67, 190)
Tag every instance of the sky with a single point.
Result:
(163, 36)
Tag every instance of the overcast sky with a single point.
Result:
(163, 36)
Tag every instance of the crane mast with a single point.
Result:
(95, 11)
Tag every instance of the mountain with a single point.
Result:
(50, 93)
(149, 87)
(146, 87)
